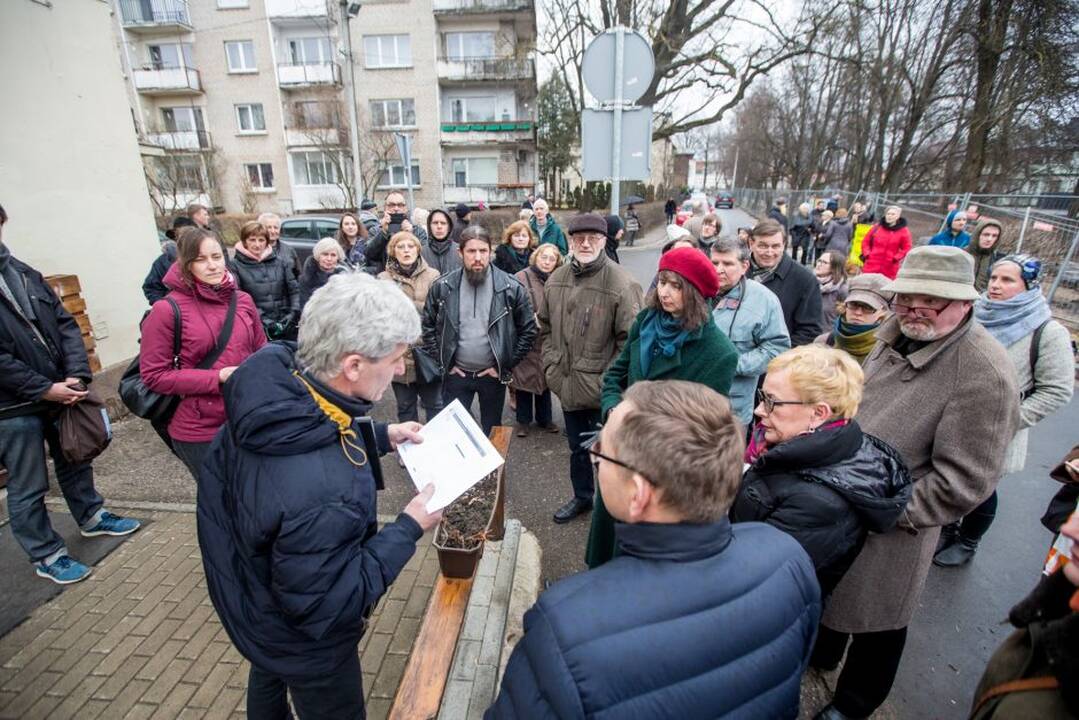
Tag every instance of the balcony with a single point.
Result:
(287, 9)
(473, 69)
(291, 76)
(481, 7)
(489, 194)
(155, 16)
(316, 137)
(181, 140)
(488, 133)
(167, 81)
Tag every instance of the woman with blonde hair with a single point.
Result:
(812, 472)
(518, 242)
(529, 385)
(325, 262)
(886, 244)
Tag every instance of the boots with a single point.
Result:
(948, 535)
(957, 554)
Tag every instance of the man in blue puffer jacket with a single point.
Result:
(696, 618)
(287, 526)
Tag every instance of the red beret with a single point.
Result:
(692, 265)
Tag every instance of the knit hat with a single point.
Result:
(368, 205)
(614, 224)
(587, 222)
(461, 210)
(177, 223)
(691, 264)
(1030, 268)
(868, 289)
(938, 271)
(677, 232)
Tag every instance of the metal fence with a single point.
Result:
(1033, 224)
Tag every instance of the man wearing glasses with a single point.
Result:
(394, 219)
(591, 305)
(941, 391)
(696, 618)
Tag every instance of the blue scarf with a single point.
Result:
(661, 332)
(1009, 321)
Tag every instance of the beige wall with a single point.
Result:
(70, 174)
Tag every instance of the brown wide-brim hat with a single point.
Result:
(938, 271)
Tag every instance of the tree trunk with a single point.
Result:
(991, 30)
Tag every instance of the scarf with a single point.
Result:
(585, 269)
(1009, 321)
(661, 332)
(856, 340)
(539, 273)
(402, 270)
(759, 446)
(761, 274)
(828, 285)
(439, 247)
(242, 249)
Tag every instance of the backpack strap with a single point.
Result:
(223, 338)
(1035, 349)
(177, 332)
(1013, 686)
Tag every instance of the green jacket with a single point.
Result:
(706, 357)
(552, 233)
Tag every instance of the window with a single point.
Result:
(393, 113)
(325, 229)
(182, 119)
(173, 55)
(313, 168)
(470, 45)
(309, 51)
(181, 173)
(250, 118)
(260, 175)
(473, 109)
(315, 114)
(475, 171)
(229, 4)
(385, 51)
(296, 229)
(241, 56)
(394, 176)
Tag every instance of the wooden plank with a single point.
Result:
(75, 305)
(88, 342)
(84, 323)
(95, 362)
(420, 693)
(500, 438)
(64, 285)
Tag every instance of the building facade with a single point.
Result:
(244, 104)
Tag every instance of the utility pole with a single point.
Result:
(734, 175)
(349, 11)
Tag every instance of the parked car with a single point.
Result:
(303, 231)
(724, 199)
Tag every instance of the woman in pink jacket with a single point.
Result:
(202, 288)
(886, 244)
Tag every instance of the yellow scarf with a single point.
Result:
(340, 418)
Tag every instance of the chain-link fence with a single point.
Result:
(1034, 224)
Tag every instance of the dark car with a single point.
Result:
(724, 199)
(303, 231)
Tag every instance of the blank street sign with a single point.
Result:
(598, 68)
(596, 157)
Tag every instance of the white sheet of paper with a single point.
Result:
(454, 455)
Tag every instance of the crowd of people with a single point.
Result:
(816, 438)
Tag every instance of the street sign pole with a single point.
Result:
(616, 136)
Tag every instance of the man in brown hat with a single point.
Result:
(591, 305)
(941, 391)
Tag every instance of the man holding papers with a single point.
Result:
(287, 526)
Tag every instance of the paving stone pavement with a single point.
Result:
(140, 639)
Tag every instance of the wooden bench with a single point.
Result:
(419, 695)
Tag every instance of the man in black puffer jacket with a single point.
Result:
(696, 618)
(287, 515)
(267, 277)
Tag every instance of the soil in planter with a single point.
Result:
(464, 521)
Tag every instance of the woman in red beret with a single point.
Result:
(673, 338)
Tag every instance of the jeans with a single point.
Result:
(408, 394)
(868, 673)
(336, 695)
(22, 452)
(542, 402)
(977, 522)
(491, 391)
(191, 454)
(579, 426)
(631, 235)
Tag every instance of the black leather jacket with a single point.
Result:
(512, 329)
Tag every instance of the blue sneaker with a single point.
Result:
(63, 570)
(110, 524)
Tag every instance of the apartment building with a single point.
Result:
(243, 104)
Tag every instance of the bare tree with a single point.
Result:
(173, 178)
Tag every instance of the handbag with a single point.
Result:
(427, 370)
(85, 430)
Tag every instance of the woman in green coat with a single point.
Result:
(673, 338)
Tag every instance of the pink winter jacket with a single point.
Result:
(202, 314)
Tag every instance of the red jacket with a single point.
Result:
(202, 314)
(884, 248)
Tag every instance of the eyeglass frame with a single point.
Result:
(591, 238)
(590, 446)
(770, 403)
(895, 305)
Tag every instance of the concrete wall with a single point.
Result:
(70, 174)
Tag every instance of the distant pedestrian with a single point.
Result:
(546, 227)
(860, 215)
(463, 217)
(394, 219)
(441, 251)
(513, 253)
(669, 209)
(43, 368)
(778, 212)
(886, 244)
(832, 276)
(265, 276)
(369, 216)
(983, 247)
(153, 286)
(801, 234)
(820, 239)
(636, 639)
(352, 239)
(633, 225)
(711, 227)
(813, 473)
(529, 383)
(838, 234)
(698, 209)
(419, 217)
(324, 263)
(1015, 312)
(953, 233)
(200, 215)
(795, 286)
(288, 256)
(867, 306)
(673, 338)
(615, 231)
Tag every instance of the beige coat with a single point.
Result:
(528, 374)
(950, 409)
(416, 288)
(584, 326)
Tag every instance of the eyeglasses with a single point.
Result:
(397, 206)
(903, 308)
(597, 455)
(583, 238)
(770, 402)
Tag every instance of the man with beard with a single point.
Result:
(591, 305)
(477, 324)
(394, 220)
(795, 286)
(942, 391)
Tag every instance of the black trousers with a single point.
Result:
(542, 403)
(334, 696)
(976, 523)
(868, 673)
(407, 396)
(491, 391)
(580, 424)
(191, 454)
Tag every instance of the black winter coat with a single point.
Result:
(313, 277)
(508, 261)
(288, 256)
(776, 214)
(512, 328)
(272, 286)
(691, 621)
(799, 295)
(828, 491)
(287, 522)
(27, 368)
(153, 287)
(377, 242)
